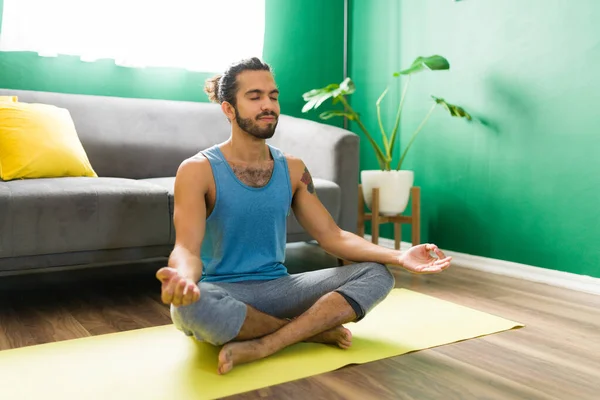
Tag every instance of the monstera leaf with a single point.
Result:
(455, 111)
(434, 63)
(316, 97)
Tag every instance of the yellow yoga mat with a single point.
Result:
(162, 363)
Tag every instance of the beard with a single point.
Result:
(251, 126)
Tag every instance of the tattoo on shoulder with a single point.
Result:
(307, 180)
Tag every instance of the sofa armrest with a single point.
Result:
(330, 153)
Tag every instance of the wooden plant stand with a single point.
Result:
(414, 219)
(376, 219)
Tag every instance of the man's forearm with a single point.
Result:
(187, 264)
(351, 247)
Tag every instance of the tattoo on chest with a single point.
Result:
(307, 180)
(254, 176)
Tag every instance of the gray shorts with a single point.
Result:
(219, 314)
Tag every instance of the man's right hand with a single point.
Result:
(176, 289)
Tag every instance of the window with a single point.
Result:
(199, 35)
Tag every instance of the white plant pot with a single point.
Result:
(394, 189)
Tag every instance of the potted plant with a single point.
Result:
(394, 184)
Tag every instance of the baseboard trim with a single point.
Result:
(581, 283)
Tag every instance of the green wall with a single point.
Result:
(303, 44)
(523, 186)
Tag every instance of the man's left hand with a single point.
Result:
(418, 259)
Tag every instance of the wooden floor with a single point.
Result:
(556, 356)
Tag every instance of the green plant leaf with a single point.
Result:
(310, 104)
(318, 92)
(322, 99)
(336, 113)
(314, 98)
(347, 87)
(433, 63)
(455, 111)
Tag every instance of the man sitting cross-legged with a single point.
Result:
(225, 278)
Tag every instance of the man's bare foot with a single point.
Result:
(339, 336)
(235, 353)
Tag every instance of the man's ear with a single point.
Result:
(228, 110)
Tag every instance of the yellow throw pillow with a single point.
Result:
(40, 141)
(11, 99)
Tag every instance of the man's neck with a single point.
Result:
(244, 148)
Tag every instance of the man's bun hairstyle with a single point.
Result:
(211, 88)
(223, 87)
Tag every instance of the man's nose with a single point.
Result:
(267, 108)
(267, 105)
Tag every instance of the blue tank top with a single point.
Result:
(246, 232)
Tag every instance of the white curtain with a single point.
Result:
(199, 35)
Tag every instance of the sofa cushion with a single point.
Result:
(167, 184)
(56, 215)
(329, 193)
(40, 141)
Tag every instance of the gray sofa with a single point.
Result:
(135, 146)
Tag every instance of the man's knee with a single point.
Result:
(381, 277)
(215, 318)
(371, 285)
